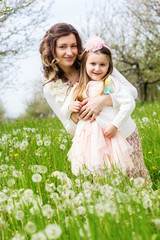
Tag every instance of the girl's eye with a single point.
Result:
(93, 64)
(74, 46)
(102, 64)
(62, 47)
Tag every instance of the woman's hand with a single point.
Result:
(110, 131)
(75, 106)
(91, 107)
(74, 117)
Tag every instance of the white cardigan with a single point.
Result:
(56, 92)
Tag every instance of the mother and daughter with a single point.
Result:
(93, 101)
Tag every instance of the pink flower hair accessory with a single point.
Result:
(94, 44)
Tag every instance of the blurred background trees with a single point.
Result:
(132, 31)
(130, 28)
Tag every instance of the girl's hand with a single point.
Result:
(110, 131)
(74, 117)
(75, 106)
(91, 107)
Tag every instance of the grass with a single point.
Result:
(41, 199)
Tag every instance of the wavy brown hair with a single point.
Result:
(47, 49)
(84, 78)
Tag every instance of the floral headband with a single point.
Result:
(94, 44)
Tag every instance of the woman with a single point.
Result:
(60, 50)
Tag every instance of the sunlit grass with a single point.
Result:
(41, 199)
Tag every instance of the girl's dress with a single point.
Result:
(91, 148)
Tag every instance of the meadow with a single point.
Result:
(40, 198)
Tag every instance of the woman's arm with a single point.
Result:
(93, 106)
(55, 105)
(125, 82)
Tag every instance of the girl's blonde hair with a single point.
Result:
(84, 78)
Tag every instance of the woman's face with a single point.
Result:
(97, 65)
(66, 50)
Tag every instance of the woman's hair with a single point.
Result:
(51, 69)
(84, 78)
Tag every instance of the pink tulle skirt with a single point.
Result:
(92, 150)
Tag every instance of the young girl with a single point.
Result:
(103, 141)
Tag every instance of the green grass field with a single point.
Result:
(41, 199)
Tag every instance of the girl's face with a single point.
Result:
(97, 65)
(66, 50)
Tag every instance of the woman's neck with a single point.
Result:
(71, 74)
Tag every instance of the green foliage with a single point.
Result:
(38, 108)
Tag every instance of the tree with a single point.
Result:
(38, 108)
(131, 29)
(141, 54)
(20, 24)
(2, 112)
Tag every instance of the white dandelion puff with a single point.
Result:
(36, 177)
(19, 214)
(53, 231)
(39, 236)
(30, 227)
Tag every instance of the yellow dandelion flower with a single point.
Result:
(10, 155)
(42, 140)
(150, 152)
(16, 154)
(153, 167)
(56, 137)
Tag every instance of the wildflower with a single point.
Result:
(150, 152)
(49, 187)
(16, 154)
(17, 173)
(11, 182)
(3, 197)
(30, 227)
(157, 222)
(154, 113)
(145, 119)
(138, 182)
(81, 210)
(47, 143)
(39, 236)
(18, 236)
(62, 146)
(19, 215)
(53, 231)
(47, 211)
(43, 169)
(39, 143)
(28, 194)
(100, 209)
(36, 177)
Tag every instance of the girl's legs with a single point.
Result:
(139, 169)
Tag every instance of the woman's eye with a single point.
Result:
(62, 47)
(93, 64)
(74, 46)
